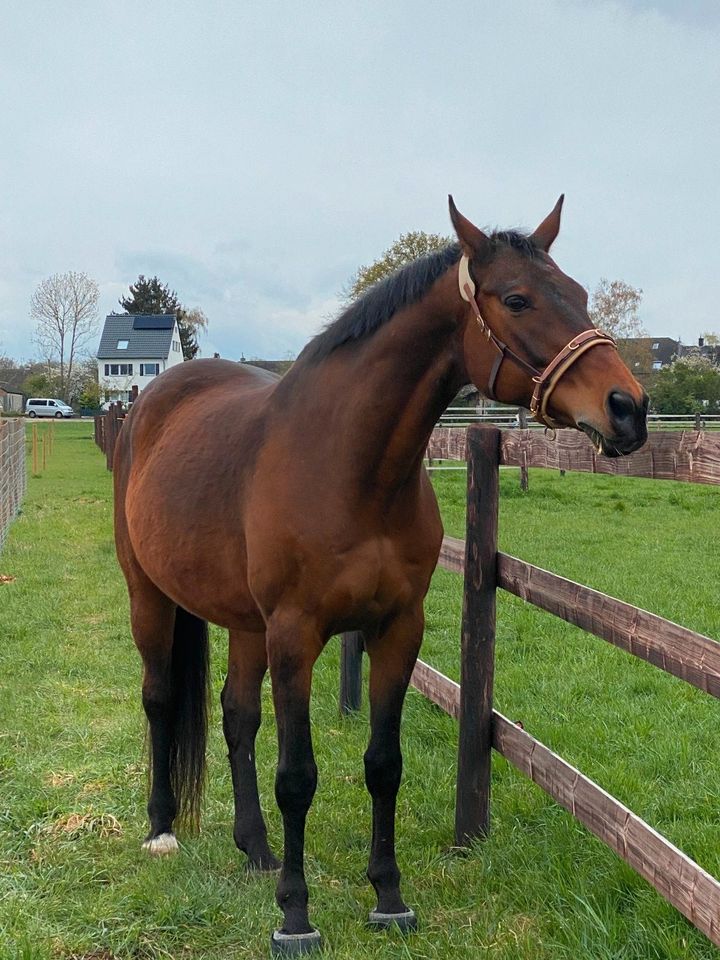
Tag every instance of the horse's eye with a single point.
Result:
(516, 303)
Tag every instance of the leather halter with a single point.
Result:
(545, 381)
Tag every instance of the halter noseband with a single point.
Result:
(545, 381)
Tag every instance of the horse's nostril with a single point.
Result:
(621, 405)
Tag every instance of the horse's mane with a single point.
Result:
(405, 286)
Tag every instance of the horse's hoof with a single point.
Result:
(294, 944)
(161, 846)
(265, 864)
(405, 921)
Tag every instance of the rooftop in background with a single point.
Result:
(272, 366)
(147, 336)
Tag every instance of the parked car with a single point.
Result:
(44, 407)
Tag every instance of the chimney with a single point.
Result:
(701, 342)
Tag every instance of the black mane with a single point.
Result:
(400, 289)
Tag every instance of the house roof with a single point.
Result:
(662, 349)
(149, 336)
(6, 388)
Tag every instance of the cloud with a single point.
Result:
(286, 150)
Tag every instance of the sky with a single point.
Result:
(253, 155)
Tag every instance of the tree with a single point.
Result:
(614, 308)
(152, 296)
(689, 385)
(408, 247)
(65, 307)
(711, 338)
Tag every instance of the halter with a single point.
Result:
(545, 381)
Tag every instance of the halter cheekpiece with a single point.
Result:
(545, 381)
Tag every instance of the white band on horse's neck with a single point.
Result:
(464, 279)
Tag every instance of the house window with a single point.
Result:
(656, 346)
(118, 369)
(657, 364)
(149, 369)
(123, 344)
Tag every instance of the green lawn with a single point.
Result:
(75, 884)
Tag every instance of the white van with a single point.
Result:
(41, 407)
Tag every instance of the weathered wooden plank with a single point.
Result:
(477, 650)
(689, 455)
(452, 554)
(684, 884)
(437, 687)
(684, 653)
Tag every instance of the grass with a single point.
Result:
(74, 883)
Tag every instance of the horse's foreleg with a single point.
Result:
(392, 657)
(292, 651)
(247, 663)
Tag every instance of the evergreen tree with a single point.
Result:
(149, 295)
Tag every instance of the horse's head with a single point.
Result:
(528, 339)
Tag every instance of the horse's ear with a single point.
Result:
(545, 234)
(472, 239)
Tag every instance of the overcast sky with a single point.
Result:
(254, 154)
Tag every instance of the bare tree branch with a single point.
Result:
(65, 308)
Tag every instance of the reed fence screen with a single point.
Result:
(13, 477)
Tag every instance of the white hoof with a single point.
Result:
(162, 846)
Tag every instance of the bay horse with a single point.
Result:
(290, 510)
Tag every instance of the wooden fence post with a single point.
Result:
(522, 420)
(351, 651)
(472, 809)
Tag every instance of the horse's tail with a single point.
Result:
(190, 691)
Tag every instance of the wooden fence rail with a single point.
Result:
(692, 456)
(13, 475)
(693, 891)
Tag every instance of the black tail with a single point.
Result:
(190, 684)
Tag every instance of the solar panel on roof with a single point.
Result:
(158, 321)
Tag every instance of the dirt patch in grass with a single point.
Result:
(73, 825)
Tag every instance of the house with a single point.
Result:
(645, 354)
(711, 351)
(11, 401)
(134, 349)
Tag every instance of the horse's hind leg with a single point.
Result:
(392, 657)
(152, 617)
(247, 664)
(174, 648)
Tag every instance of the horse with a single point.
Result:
(290, 510)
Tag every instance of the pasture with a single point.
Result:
(75, 884)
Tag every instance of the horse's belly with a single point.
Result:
(191, 557)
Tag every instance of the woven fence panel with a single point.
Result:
(13, 478)
(689, 455)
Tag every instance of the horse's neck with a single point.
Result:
(380, 398)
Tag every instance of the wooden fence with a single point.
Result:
(13, 477)
(682, 652)
(107, 428)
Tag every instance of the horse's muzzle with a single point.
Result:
(628, 419)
